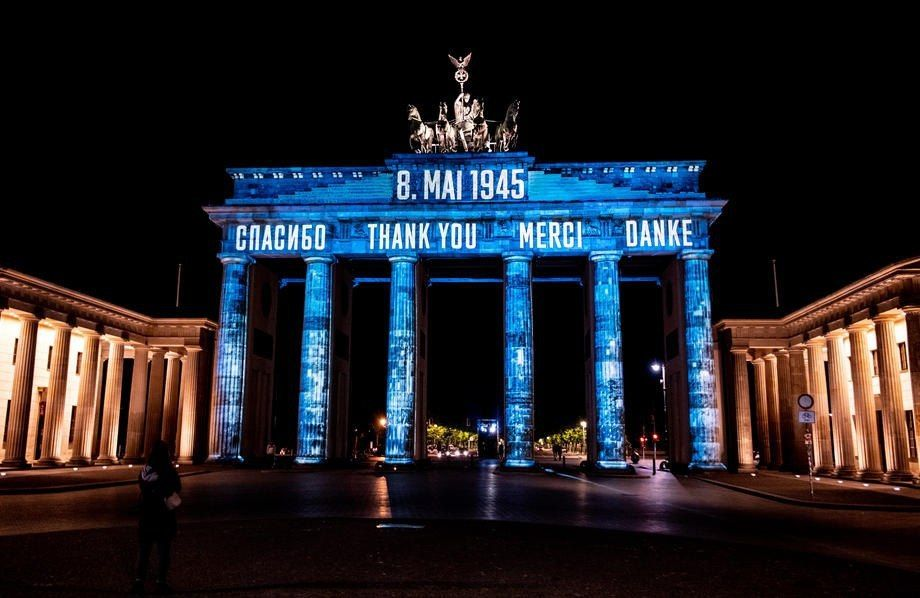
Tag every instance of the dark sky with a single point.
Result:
(121, 138)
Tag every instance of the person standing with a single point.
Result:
(158, 483)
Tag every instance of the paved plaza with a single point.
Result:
(288, 531)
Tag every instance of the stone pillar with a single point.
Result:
(111, 407)
(776, 440)
(57, 397)
(912, 321)
(840, 405)
(705, 418)
(21, 397)
(518, 324)
(788, 410)
(763, 412)
(821, 429)
(870, 459)
(743, 411)
(230, 364)
(798, 380)
(401, 361)
(315, 362)
(154, 424)
(86, 402)
(137, 408)
(608, 363)
(171, 400)
(893, 423)
(189, 402)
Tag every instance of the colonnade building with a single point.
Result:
(857, 353)
(84, 381)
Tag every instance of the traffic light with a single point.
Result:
(643, 440)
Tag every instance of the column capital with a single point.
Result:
(24, 315)
(740, 351)
(783, 352)
(235, 258)
(172, 355)
(402, 258)
(837, 333)
(604, 256)
(757, 361)
(886, 317)
(797, 349)
(517, 257)
(156, 350)
(58, 324)
(319, 259)
(696, 254)
(114, 340)
(818, 341)
(911, 309)
(87, 333)
(189, 350)
(769, 357)
(861, 326)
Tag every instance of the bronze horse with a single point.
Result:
(480, 141)
(445, 131)
(506, 133)
(421, 135)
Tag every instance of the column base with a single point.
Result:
(870, 476)
(17, 463)
(384, 467)
(707, 467)
(106, 461)
(135, 460)
(181, 461)
(746, 468)
(824, 470)
(608, 468)
(518, 464)
(902, 477)
(845, 471)
(50, 462)
(79, 462)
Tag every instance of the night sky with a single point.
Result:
(117, 161)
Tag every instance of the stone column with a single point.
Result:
(821, 429)
(401, 361)
(705, 418)
(21, 397)
(154, 424)
(137, 408)
(743, 410)
(912, 321)
(111, 407)
(86, 401)
(798, 380)
(315, 362)
(188, 410)
(788, 409)
(230, 363)
(763, 412)
(608, 363)
(518, 324)
(870, 459)
(171, 400)
(840, 405)
(57, 396)
(776, 440)
(893, 423)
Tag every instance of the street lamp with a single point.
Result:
(381, 423)
(584, 437)
(660, 367)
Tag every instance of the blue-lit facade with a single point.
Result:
(505, 207)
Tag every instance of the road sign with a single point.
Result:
(806, 417)
(806, 402)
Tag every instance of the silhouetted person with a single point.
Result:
(158, 481)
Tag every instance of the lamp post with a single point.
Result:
(584, 437)
(660, 367)
(381, 425)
